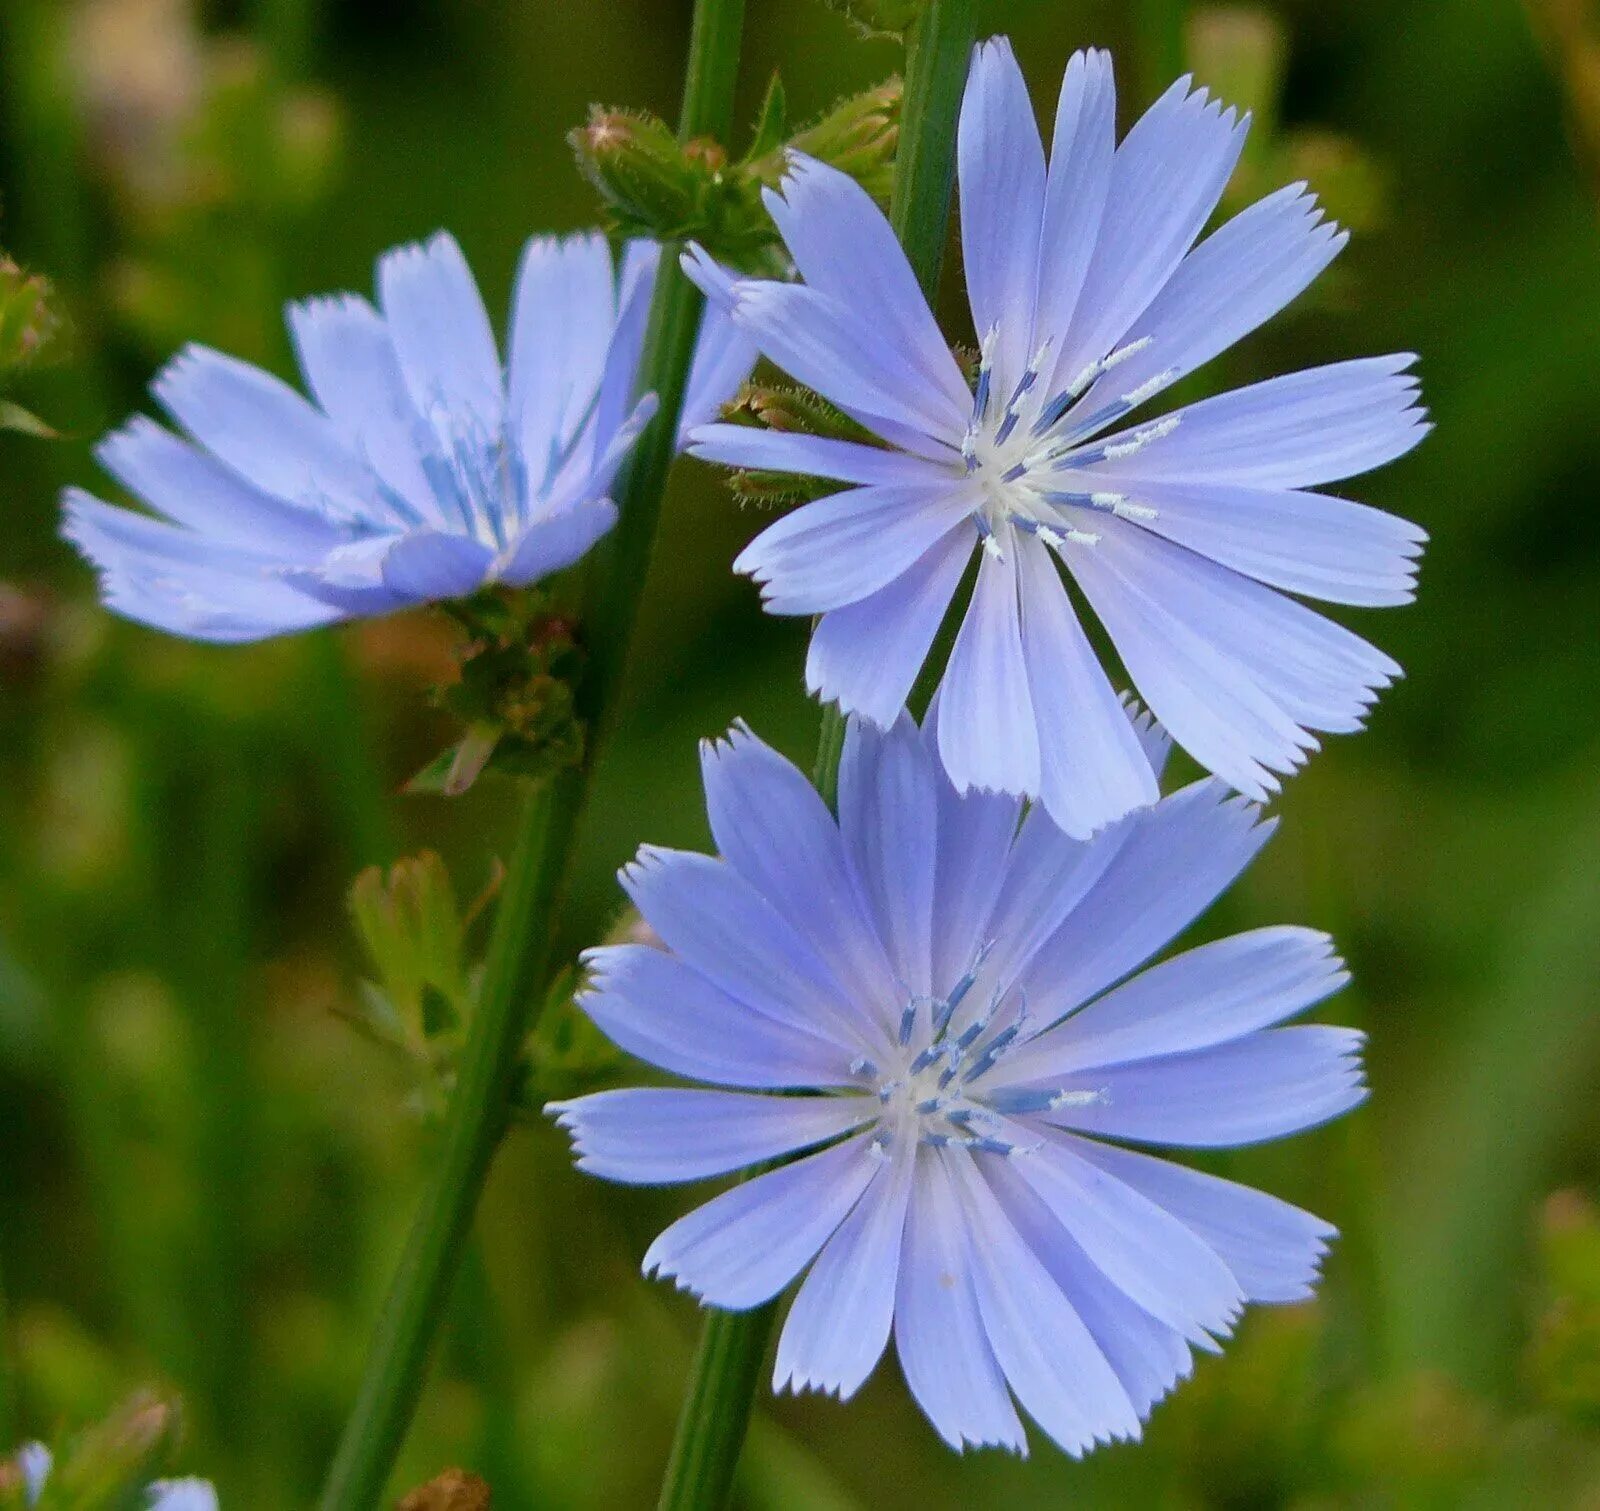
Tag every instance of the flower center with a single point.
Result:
(1026, 448)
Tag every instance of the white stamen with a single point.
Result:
(1122, 353)
(1149, 388)
(1142, 438)
(1101, 1097)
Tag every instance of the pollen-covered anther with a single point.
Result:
(1142, 438)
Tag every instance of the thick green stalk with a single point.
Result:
(727, 1365)
(519, 949)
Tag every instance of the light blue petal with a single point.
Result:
(846, 250)
(426, 566)
(888, 815)
(710, 915)
(654, 1006)
(1273, 1083)
(1305, 672)
(809, 455)
(348, 361)
(1213, 707)
(1092, 767)
(723, 358)
(635, 285)
(1149, 1255)
(975, 838)
(1000, 163)
(267, 433)
(1205, 996)
(938, 1332)
(987, 734)
(1075, 187)
(35, 1462)
(777, 833)
(649, 1137)
(1329, 548)
(866, 656)
(551, 544)
(175, 580)
(1148, 1356)
(1166, 179)
(743, 1247)
(194, 489)
(589, 475)
(1047, 875)
(1274, 1250)
(350, 578)
(830, 346)
(1236, 279)
(1154, 740)
(1294, 431)
(840, 549)
(839, 1322)
(563, 310)
(1162, 868)
(1050, 1359)
(441, 330)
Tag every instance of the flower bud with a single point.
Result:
(859, 137)
(649, 182)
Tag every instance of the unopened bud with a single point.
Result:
(648, 181)
(859, 137)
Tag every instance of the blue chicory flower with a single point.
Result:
(421, 471)
(933, 1003)
(1088, 301)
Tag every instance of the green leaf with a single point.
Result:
(772, 125)
(25, 422)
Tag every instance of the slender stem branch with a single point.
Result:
(517, 962)
(727, 1364)
(519, 949)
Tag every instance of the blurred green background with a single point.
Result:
(207, 1172)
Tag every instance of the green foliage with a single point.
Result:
(653, 185)
(514, 692)
(879, 18)
(787, 407)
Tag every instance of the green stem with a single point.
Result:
(420, 1289)
(727, 1364)
(716, 1412)
(519, 949)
